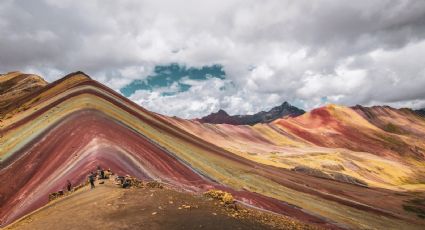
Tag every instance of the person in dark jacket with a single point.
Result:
(91, 180)
(102, 174)
(126, 182)
(68, 185)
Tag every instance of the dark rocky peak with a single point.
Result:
(283, 110)
(420, 112)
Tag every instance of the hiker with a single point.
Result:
(108, 174)
(127, 182)
(119, 179)
(91, 180)
(100, 172)
(68, 186)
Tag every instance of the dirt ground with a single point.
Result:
(110, 207)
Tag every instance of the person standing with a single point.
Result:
(91, 180)
(68, 186)
(99, 172)
(102, 174)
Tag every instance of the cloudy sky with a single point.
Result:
(189, 58)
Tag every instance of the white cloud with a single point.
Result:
(366, 52)
(202, 97)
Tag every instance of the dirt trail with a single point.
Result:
(110, 207)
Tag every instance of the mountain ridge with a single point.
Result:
(16, 85)
(222, 117)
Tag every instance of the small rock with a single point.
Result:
(232, 206)
(154, 213)
(215, 214)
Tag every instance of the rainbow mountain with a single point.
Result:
(334, 167)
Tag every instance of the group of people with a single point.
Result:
(100, 174)
(124, 182)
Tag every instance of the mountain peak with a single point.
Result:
(222, 112)
(285, 103)
(221, 117)
(78, 73)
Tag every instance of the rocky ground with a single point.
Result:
(111, 207)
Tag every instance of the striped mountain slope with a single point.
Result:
(330, 167)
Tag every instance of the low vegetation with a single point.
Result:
(224, 197)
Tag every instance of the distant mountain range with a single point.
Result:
(420, 112)
(222, 117)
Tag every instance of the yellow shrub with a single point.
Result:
(226, 197)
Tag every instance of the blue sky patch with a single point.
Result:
(166, 75)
